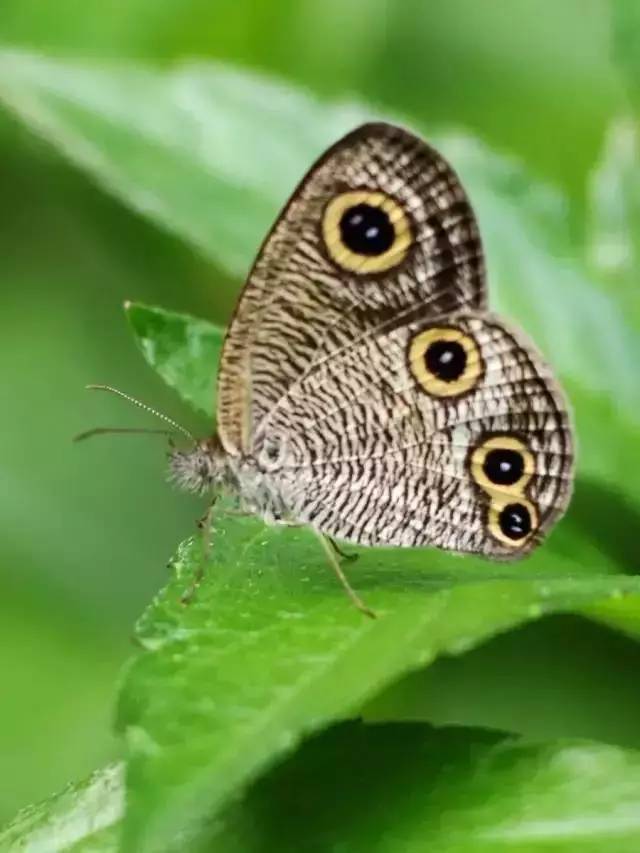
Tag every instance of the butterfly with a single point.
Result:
(365, 388)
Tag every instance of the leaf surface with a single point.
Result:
(183, 350)
(614, 189)
(626, 45)
(270, 650)
(388, 787)
(80, 818)
(418, 789)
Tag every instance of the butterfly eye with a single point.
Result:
(366, 232)
(512, 522)
(502, 463)
(445, 361)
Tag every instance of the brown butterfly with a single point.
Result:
(365, 389)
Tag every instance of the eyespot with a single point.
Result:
(515, 521)
(366, 232)
(503, 467)
(445, 361)
(502, 464)
(512, 522)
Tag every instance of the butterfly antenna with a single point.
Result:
(175, 426)
(89, 433)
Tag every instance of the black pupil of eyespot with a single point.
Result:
(446, 360)
(515, 521)
(367, 230)
(503, 466)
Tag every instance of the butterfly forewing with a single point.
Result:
(378, 226)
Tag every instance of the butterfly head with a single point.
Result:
(199, 468)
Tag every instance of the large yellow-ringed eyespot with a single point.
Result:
(366, 231)
(445, 360)
(512, 520)
(502, 465)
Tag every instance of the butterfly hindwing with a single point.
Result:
(445, 431)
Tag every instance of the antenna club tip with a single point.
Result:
(127, 304)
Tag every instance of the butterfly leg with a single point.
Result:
(204, 525)
(348, 558)
(330, 550)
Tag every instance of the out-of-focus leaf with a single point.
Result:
(626, 45)
(81, 818)
(179, 348)
(270, 650)
(404, 787)
(415, 789)
(614, 240)
(558, 677)
(618, 613)
(212, 153)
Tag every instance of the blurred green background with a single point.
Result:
(533, 80)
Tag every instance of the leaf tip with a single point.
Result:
(132, 313)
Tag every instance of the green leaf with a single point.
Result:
(184, 351)
(614, 242)
(626, 45)
(562, 676)
(84, 817)
(412, 788)
(271, 650)
(167, 629)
